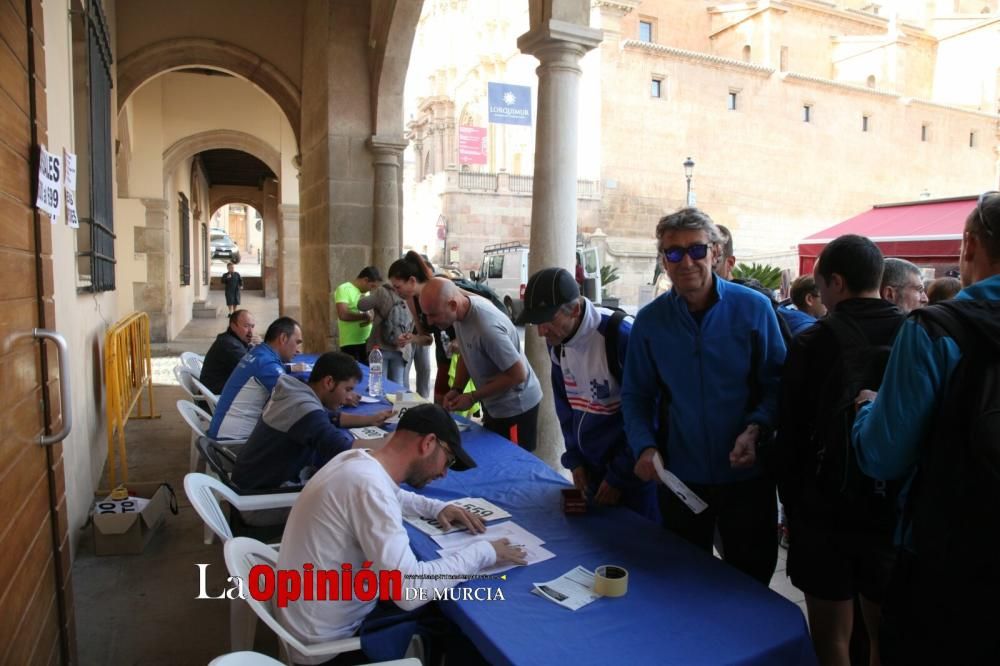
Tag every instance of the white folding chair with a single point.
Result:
(199, 420)
(205, 393)
(193, 362)
(258, 659)
(204, 491)
(242, 554)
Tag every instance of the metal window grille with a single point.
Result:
(185, 219)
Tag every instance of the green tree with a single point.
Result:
(766, 274)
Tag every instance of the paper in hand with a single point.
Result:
(677, 486)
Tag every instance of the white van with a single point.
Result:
(505, 270)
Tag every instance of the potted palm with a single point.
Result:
(609, 274)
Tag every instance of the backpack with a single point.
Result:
(848, 497)
(480, 289)
(955, 495)
(610, 333)
(397, 321)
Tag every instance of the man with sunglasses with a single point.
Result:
(351, 513)
(701, 385)
(934, 423)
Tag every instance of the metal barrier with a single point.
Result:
(128, 367)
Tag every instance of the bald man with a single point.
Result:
(490, 353)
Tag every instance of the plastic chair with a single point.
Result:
(242, 554)
(188, 381)
(205, 392)
(204, 492)
(245, 659)
(193, 362)
(199, 420)
(258, 659)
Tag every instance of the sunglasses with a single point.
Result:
(675, 254)
(979, 211)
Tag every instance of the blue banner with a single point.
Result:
(509, 104)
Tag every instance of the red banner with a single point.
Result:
(471, 145)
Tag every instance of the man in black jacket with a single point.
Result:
(225, 353)
(834, 554)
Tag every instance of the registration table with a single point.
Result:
(682, 606)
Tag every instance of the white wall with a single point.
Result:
(82, 318)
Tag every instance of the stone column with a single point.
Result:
(153, 295)
(289, 280)
(559, 46)
(388, 153)
(269, 251)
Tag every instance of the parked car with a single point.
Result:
(223, 247)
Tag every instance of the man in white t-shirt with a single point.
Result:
(490, 354)
(352, 511)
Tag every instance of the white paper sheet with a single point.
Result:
(573, 590)
(486, 510)
(533, 555)
(370, 400)
(677, 486)
(509, 530)
(368, 432)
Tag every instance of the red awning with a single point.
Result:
(925, 232)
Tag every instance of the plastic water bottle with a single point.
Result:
(375, 373)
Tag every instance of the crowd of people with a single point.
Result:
(868, 405)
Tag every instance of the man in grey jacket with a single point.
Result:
(299, 430)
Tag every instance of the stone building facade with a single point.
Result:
(797, 114)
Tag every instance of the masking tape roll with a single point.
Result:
(610, 580)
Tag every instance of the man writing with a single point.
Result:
(228, 350)
(352, 512)
(491, 355)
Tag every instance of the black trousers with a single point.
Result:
(521, 429)
(358, 352)
(744, 513)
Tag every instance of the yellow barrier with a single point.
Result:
(127, 368)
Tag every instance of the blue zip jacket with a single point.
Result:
(706, 368)
(797, 320)
(888, 432)
(245, 394)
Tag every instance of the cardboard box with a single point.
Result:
(128, 533)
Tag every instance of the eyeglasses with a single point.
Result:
(450, 456)
(979, 211)
(675, 253)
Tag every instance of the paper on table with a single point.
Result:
(368, 432)
(398, 409)
(370, 400)
(573, 590)
(509, 530)
(677, 486)
(532, 555)
(487, 511)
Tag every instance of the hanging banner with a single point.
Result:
(69, 161)
(471, 145)
(49, 198)
(509, 104)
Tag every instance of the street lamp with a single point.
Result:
(688, 171)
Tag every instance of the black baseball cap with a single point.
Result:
(428, 419)
(547, 291)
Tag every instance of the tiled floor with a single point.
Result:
(143, 609)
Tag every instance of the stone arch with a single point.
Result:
(218, 202)
(396, 43)
(154, 59)
(193, 144)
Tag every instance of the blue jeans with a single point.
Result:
(394, 367)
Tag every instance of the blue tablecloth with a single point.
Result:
(682, 606)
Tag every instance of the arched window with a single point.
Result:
(427, 164)
(871, 81)
(746, 53)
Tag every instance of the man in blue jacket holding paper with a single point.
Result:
(701, 387)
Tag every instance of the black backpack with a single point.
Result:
(840, 490)
(953, 505)
(480, 289)
(611, 332)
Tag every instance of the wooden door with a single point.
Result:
(36, 619)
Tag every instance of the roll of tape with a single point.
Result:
(610, 580)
